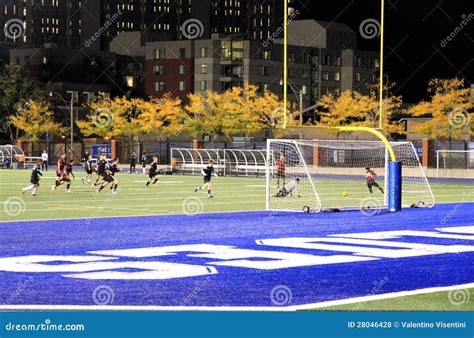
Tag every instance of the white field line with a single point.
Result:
(234, 308)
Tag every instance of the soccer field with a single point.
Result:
(174, 195)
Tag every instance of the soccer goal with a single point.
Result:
(455, 163)
(331, 175)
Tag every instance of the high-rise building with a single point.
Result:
(71, 23)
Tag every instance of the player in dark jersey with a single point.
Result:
(153, 174)
(109, 178)
(101, 166)
(143, 160)
(207, 172)
(65, 177)
(133, 163)
(370, 176)
(35, 179)
(89, 169)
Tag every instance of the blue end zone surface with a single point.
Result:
(230, 285)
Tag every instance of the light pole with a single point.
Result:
(73, 94)
(299, 94)
(382, 32)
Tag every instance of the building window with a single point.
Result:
(181, 69)
(304, 89)
(204, 69)
(357, 77)
(337, 76)
(338, 61)
(182, 52)
(181, 86)
(337, 91)
(129, 81)
(160, 54)
(262, 71)
(203, 86)
(158, 70)
(305, 73)
(325, 76)
(376, 63)
(267, 55)
(203, 52)
(159, 86)
(327, 60)
(291, 72)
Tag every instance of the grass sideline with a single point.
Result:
(170, 196)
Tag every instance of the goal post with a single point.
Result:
(331, 175)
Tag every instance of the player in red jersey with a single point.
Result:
(60, 166)
(65, 177)
(281, 169)
(370, 176)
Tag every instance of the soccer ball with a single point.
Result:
(344, 194)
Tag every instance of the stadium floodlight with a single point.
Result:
(331, 175)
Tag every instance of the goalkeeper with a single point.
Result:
(289, 188)
(207, 172)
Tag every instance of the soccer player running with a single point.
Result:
(370, 176)
(101, 166)
(34, 180)
(289, 188)
(65, 177)
(207, 172)
(89, 169)
(109, 178)
(60, 166)
(154, 175)
(281, 169)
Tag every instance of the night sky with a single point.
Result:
(414, 31)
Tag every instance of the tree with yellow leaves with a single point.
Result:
(447, 110)
(358, 110)
(238, 111)
(35, 118)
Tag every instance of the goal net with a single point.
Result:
(331, 175)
